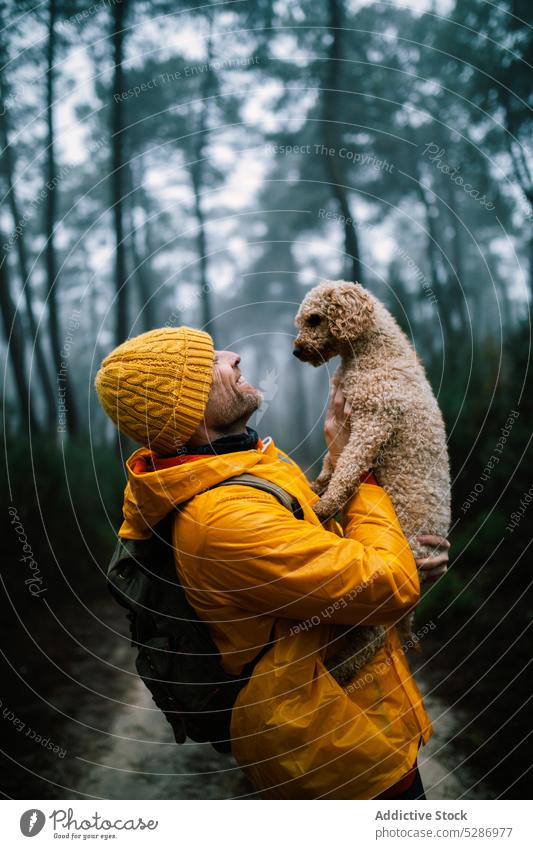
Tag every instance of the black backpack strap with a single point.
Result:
(281, 494)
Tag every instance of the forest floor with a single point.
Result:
(144, 770)
(118, 745)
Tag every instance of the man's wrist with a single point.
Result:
(333, 458)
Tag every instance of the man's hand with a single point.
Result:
(434, 567)
(337, 425)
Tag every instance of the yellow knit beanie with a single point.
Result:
(155, 386)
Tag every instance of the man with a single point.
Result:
(255, 573)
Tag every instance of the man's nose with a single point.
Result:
(230, 357)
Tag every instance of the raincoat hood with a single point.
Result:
(151, 494)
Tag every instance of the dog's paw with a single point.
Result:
(320, 486)
(325, 508)
(321, 483)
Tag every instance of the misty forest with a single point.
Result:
(167, 163)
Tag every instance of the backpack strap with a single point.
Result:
(281, 494)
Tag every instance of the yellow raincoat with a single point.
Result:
(250, 568)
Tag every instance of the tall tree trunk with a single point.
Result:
(139, 252)
(201, 241)
(457, 285)
(50, 221)
(299, 401)
(530, 251)
(197, 180)
(9, 170)
(150, 247)
(141, 266)
(331, 112)
(117, 169)
(15, 343)
(521, 169)
(437, 283)
(142, 278)
(293, 294)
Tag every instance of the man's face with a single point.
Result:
(232, 399)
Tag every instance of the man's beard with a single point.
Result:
(237, 410)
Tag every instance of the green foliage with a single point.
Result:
(69, 500)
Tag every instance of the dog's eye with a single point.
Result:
(314, 320)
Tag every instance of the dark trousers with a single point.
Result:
(415, 791)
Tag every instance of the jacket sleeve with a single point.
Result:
(265, 561)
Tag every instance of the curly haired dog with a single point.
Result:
(397, 429)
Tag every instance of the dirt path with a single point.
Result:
(444, 775)
(119, 745)
(139, 760)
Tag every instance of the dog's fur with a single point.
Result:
(397, 429)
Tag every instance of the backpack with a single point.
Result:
(177, 658)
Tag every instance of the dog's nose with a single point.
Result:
(297, 352)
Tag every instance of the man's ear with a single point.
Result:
(350, 311)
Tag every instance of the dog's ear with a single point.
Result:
(350, 311)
